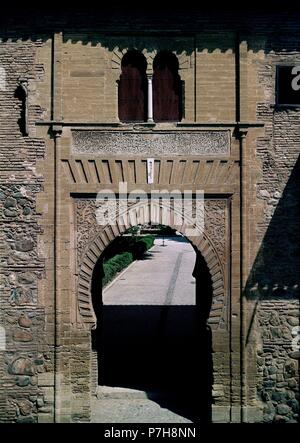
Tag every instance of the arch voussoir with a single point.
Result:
(90, 255)
(86, 268)
(98, 243)
(110, 233)
(104, 238)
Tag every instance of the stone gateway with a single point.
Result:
(91, 98)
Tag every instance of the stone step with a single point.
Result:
(132, 410)
(116, 392)
(112, 392)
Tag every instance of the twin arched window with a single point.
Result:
(165, 88)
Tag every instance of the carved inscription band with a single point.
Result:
(158, 143)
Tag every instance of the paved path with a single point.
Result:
(162, 278)
(131, 408)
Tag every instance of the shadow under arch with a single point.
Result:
(163, 350)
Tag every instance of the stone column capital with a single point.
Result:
(57, 130)
(243, 133)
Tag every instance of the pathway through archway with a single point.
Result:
(154, 356)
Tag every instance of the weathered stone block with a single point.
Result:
(22, 366)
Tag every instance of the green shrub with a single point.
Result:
(114, 265)
(127, 244)
(148, 240)
(141, 245)
(134, 247)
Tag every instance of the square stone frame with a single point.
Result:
(75, 364)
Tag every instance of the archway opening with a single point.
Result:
(152, 337)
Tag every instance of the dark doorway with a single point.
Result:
(164, 350)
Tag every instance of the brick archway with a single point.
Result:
(106, 234)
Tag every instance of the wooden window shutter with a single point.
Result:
(167, 88)
(132, 92)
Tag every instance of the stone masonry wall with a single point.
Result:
(22, 264)
(275, 274)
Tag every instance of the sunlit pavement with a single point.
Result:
(164, 276)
